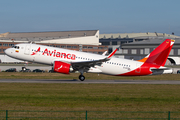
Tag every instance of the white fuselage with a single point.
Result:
(47, 55)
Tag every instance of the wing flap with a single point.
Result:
(87, 64)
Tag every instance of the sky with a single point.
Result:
(107, 16)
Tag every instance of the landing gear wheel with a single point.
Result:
(81, 77)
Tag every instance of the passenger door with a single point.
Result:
(27, 49)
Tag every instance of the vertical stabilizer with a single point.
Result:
(159, 55)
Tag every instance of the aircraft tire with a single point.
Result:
(81, 77)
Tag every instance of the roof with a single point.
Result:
(136, 35)
(152, 41)
(59, 34)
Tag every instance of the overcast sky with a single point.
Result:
(108, 16)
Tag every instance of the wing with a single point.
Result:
(85, 65)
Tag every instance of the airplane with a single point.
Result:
(66, 61)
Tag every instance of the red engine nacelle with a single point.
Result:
(61, 67)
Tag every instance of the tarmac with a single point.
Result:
(75, 81)
(47, 68)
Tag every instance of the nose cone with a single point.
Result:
(7, 51)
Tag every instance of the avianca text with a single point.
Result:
(59, 54)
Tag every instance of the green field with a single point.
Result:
(90, 97)
(30, 96)
(90, 76)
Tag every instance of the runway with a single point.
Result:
(90, 81)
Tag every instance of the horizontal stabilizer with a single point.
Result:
(161, 70)
(104, 53)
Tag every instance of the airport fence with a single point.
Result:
(87, 115)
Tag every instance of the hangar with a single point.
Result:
(87, 41)
(136, 46)
(88, 37)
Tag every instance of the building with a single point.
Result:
(86, 41)
(133, 46)
(136, 46)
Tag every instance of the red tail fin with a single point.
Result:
(159, 55)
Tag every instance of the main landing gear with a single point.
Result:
(81, 77)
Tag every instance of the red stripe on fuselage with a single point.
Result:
(142, 70)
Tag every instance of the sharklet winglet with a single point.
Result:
(112, 53)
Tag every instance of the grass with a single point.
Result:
(90, 97)
(93, 97)
(90, 76)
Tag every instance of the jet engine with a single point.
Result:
(62, 67)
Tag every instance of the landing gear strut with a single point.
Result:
(81, 77)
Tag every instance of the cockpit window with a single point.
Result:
(16, 47)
